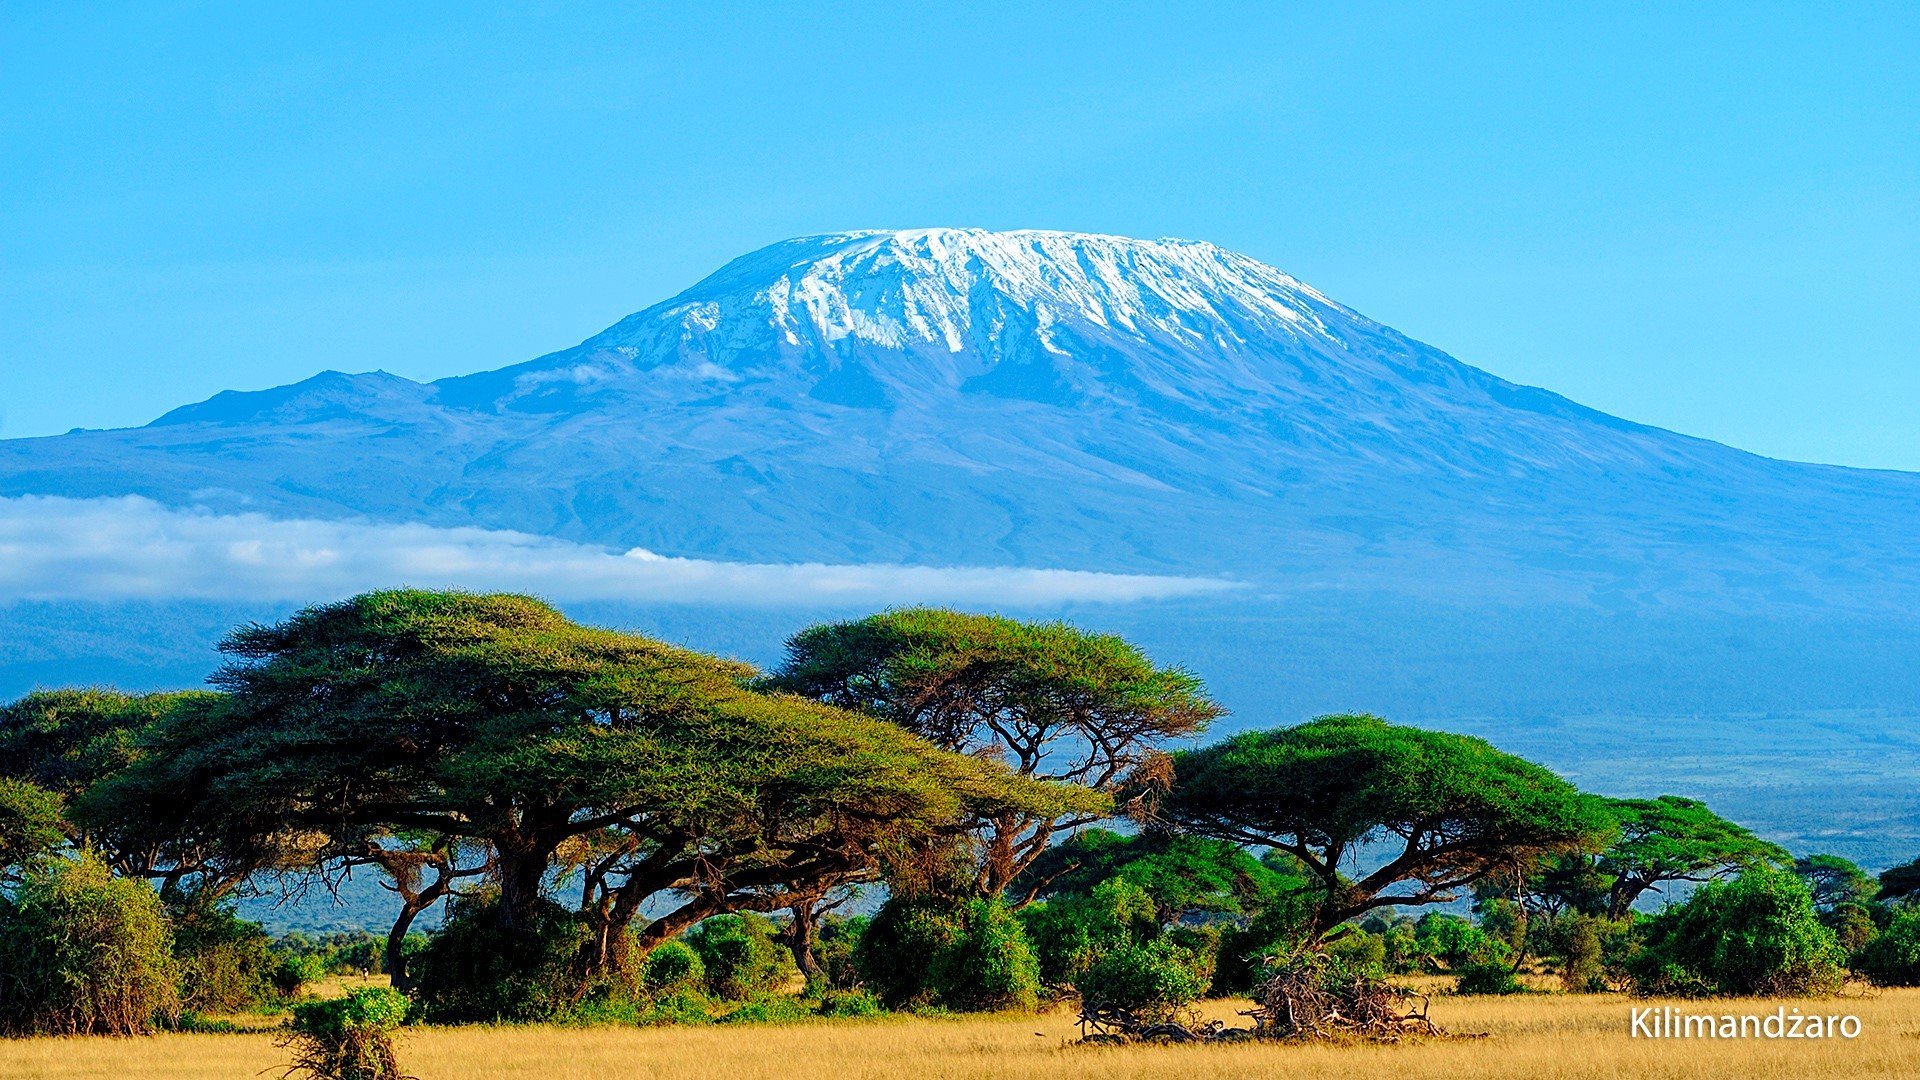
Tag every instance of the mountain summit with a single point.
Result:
(952, 397)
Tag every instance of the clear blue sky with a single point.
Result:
(1708, 221)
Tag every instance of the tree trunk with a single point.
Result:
(396, 956)
(800, 937)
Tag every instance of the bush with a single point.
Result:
(740, 956)
(834, 946)
(898, 948)
(1444, 942)
(1152, 981)
(1576, 939)
(1892, 957)
(472, 971)
(990, 966)
(347, 1038)
(967, 957)
(224, 961)
(1243, 952)
(84, 953)
(843, 1003)
(294, 971)
(673, 967)
(1488, 979)
(1069, 933)
(1755, 935)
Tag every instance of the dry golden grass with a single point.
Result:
(1551, 1037)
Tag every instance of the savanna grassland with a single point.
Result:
(1546, 1036)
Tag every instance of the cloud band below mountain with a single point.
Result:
(134, 548)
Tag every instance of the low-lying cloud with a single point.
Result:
(134, 548)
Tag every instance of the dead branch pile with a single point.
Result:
(1310, 995)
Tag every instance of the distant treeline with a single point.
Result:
(623, 829)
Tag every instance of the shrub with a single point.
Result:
(1449, 942)
(1577, 940)
(84, 953)
(1400, 949)
(224, 961)
(473, 971)
(834, 946)
(894, 954)
(293, 971)
(1069, 933)
(1152, 981)
(740, 956)
(1488, 979)
(1852, 925)
(1757, 934)
(968, 957)
(990, 966)
(673, 967)
(842, 1003)
(347, 1038)
(1243, 952)
(1892, 957)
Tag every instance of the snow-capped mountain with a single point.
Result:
(1040, 399)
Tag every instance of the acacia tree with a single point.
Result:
(1054, 702)
(67, 743)
(494, 719)
(1451, 809)
(1671, 839)
(1834, 881)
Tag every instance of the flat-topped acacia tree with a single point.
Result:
(1054, 702)
(1451, 810)
(1671, 839)
(66, 742)
(494, 719)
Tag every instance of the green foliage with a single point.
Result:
(1054, 701)
(475, 971)
(493, 719)
(1835, 882)
(1892, 957)
(965, 956)
(1488, 978)
(673, 967)
(834, 947)
(990, 966)
(1184, 875)
(1900, 882)
(1674, 839)
(894, 955)
(1319, 790)
(32, 825)
(84, 953)
(850, 1003)
(224, 962)
(1757, 934)
(1578, 941)
(1450, 943)
(293, 972)
(1070, 932)
(739, 955)
(350, 952)
(1153, 980)
(347, 1038)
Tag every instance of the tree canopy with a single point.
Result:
(1457, 809)
(1054, 702)
(1674, 839)
(494, 718)
(1181, 874)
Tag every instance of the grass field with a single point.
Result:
(1544, 1036)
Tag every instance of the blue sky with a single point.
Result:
(1708, 221)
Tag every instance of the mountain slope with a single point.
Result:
(958, 396)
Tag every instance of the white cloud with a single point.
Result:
(134, 548)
